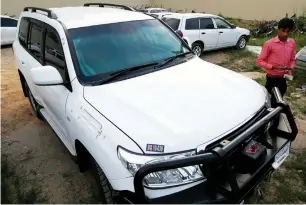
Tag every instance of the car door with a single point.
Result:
(192, 29)
(208, 33)
(227, 35)
(55, 97)
(8, 30)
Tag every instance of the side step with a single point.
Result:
(57, 131)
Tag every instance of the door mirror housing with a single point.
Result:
(233, 26)
(46, 76)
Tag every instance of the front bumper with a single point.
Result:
(233, 187)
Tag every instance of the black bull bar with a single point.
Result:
(234, 191)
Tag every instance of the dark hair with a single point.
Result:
(286, 23)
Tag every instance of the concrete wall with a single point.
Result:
(14, 7)
(246, 9)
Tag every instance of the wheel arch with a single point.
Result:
(83, 156)
(22, 81)
(199, 42)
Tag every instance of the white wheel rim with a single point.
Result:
(197, 50)
(242, 43)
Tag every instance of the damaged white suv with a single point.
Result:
(129, 98)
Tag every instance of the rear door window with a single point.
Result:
(172, 22)
(7, 22)
(34, 45)
(192, 24)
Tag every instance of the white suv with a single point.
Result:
(205, 32)
(8, 30)
(128, 98)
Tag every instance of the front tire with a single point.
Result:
(197, 49)
(106, 189)
(242, 42)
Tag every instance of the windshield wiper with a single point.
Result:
(170, 59)
(119, 73)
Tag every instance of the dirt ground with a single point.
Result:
(38, 155)
(34, 149)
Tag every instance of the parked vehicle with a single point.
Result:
(161, 15)
(300, 70)
(205, 32)
(155, 11)
(129, 99)
(8, 30)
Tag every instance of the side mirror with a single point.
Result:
(46, 75)
(233, 26)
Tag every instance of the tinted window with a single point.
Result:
(35, 40)
(192, 24)
(54, 54)
(206, 23)
(222, 24)
(155, 11)
(173, 23)
(6, 22)
(23, 32)
(104, 49)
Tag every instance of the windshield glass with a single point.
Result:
(103, 49)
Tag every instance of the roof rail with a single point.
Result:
(50, 13)
(105, 4)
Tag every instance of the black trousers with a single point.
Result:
(276, 82)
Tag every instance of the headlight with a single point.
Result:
(268, 98)
(163, 179)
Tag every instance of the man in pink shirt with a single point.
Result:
(278, 56)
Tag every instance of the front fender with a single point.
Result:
(98, 135)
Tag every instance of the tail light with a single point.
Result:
(180, 33)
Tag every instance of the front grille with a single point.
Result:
(238, 131)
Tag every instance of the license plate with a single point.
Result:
(281, 156)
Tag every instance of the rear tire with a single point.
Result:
(197, 48)
(242, 42)
(106, 189)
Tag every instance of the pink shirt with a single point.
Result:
(277, 53)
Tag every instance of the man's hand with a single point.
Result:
(280, 68)
(276, 67)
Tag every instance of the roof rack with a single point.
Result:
(105, 4)
(50, 13)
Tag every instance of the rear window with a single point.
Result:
(6, 22)
(23, 32)
(172, 22)
(192, 24)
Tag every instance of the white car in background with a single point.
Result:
(205, 32)
(8, 30)
(161, 15)
(155, 10)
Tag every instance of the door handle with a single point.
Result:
(203, 33)
(220, 31)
